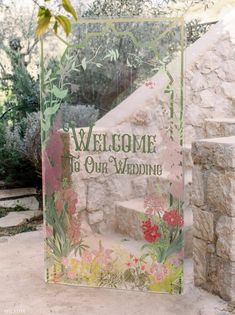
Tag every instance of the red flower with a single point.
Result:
(136, 260)
(173, 218)
(142, 267)
(74, 229)
(69, 197)
(150, 230)
(128, 264)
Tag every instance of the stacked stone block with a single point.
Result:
(213, 201)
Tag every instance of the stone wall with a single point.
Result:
(209, 86)
(213, 200)
(99, 193)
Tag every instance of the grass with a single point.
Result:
(5, 211)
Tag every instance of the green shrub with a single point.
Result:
(13, 168)
(81, 115)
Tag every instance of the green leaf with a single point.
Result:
(59, 93)
(175, 246)
(99, 65)
(45, 125)
(51, 110)
(65, 23)
(69, 8)
(41, 11)
(55, 27)
(47, 75)
(84, 64)
(43, 22)
(129, 65)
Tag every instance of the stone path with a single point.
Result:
(23, 291)
(23, 197)
(17, 217)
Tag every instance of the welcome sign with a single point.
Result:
(112, 136)
(119, 143)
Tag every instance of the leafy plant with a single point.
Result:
(24, 138)
(51, 12)
(168, 284)
(14, 168)
(20, 87)
(58, 242)
(79, 115)
(162, 229)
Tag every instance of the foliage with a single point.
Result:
(50, 11)
(13, 167)
(125, 70)
(195, 30)
(162, 229)
(24, 138)
(20, 87)
(20, 150)
(19, 82)
(59, 224)
(79, 115)
(120, 8)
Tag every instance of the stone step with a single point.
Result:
(128, 222)
(30, 203)
(142, 184)
(6, 194)
(17, 217)
(219, 127)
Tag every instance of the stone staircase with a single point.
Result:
(19, 205)
(213, 208)
(128, 221)
(219, 127)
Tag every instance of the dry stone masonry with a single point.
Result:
(209, 113)
(213, 199)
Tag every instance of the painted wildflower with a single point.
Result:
(173, 218)
(151, 231)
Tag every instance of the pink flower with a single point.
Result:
(103, 256)
(71, 275)
(159, 271)
(51, 160)
(150, 84)
(154, 204)
(86, 256)
(177, 258)
(51, 181)
(65, 261)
